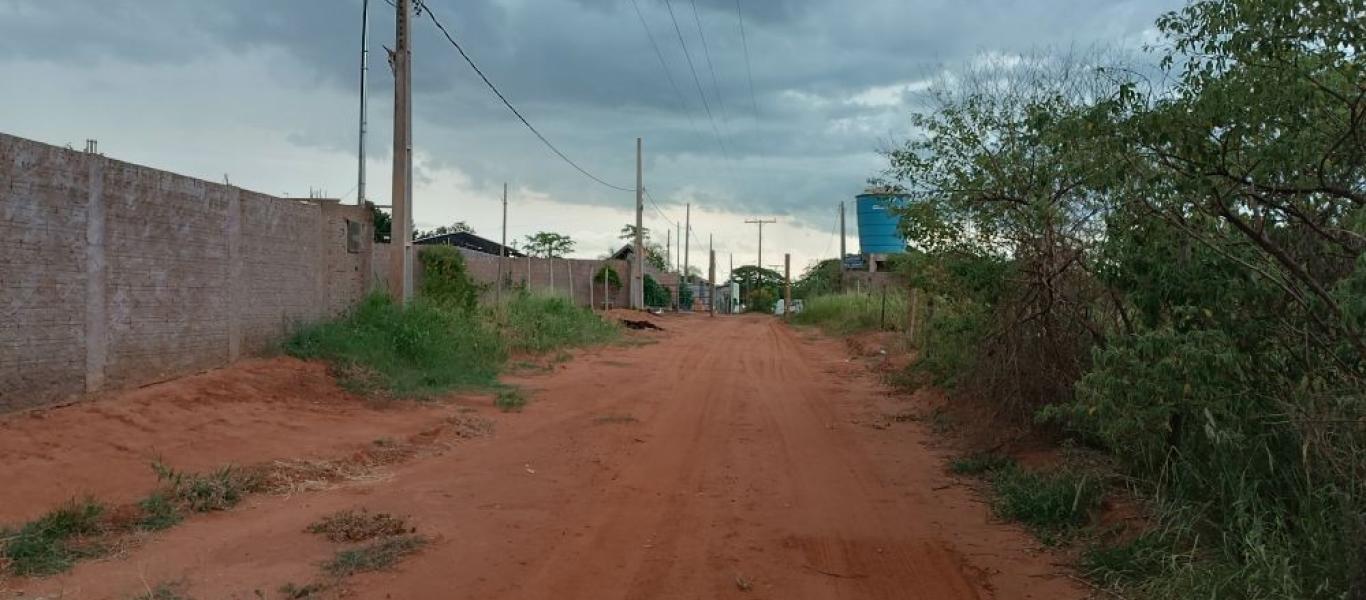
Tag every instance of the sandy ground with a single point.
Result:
(734, 452)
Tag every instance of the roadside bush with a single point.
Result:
(850, 312)
(445, 279)
(656, 296)
(415, 351)
(541, 323)
(1051, 503)
(761, 300)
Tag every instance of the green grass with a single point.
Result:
(1049, 502)
(542, 323)
(416, 351)
(850, 312)
(374, 556)
(979, 463)
(158, 512)
(509, 400)
(52, 543)
(219, 490)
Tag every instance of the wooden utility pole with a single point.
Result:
(711, 277)
(678, 241)
(787, 285)
(687, 237)
(401, 266)
(668, 248)
(841, 262)
(761, 223)
(502, 247)
(638, 270)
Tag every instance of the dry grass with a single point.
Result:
(358, 525)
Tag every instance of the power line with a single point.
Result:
(678, 92)
(706, 51)
(696, 80)
(423, 6)
(744, 43)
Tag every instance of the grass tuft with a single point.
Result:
(53, 542)
(358, 526)
(1050, 503)
(158, 512)
(195, 492)
(979, 463)
(374, 556)
(510, 400)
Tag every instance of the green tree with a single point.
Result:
(382, 222)
(546, 244)
(821, 277)
(457, 227)
(656, 295)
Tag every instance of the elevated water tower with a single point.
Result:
(879, 232)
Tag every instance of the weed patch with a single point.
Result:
(1050, 503)
(414, 351)
(219, 490)
(509, 400)
(615, 419)
(374, 556)
(358, 526)
(158, 512)
(546, 323)
(979, 463)
(55, 541)
(850, 312)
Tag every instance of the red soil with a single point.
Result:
(733, 453)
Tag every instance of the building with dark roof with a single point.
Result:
(468, 241)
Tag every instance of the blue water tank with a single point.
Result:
(878, 231)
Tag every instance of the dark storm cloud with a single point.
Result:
(584, 71)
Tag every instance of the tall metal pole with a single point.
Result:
(401, 275)
(364, 76)
(502, 246)
(638, 272)
(678, 239)
(687, 238)
(841, 261)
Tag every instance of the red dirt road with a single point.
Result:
(734, 453)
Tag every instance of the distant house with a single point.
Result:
(468, 241)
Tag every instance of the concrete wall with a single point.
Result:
(567, 277)
(116, 275)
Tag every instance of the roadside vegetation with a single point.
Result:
(1165, 264)
(852, 312)
(444, 340)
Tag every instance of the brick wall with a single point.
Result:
(116, 275)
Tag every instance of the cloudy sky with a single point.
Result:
(265, 93)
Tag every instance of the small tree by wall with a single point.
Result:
(446, 279)
(656, 296)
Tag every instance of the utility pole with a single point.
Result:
(401, 271)
(678, 241)
(364, 76)
(787, 285)
(638, 272)
(503, 246)
(668, 247)
(760, 223)
(841, 261)
(711, 277)
(687, 238)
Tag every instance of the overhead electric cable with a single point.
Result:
(696, 80)
(423, 6)
(744, 43)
